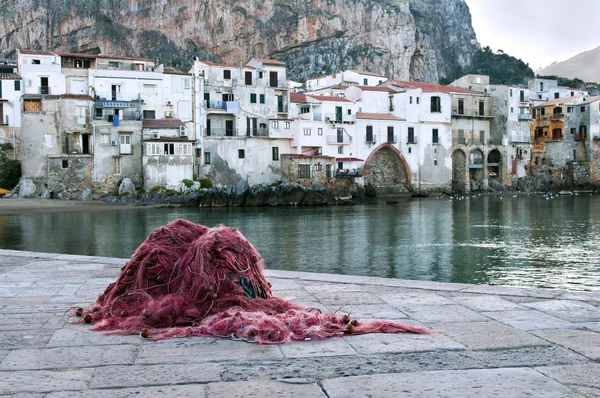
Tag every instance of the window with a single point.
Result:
(366, 82)
(112, 64)
(65, 164)
(436, 105)
(17, 85)
(226, 74)
(248, 78)
(304, 109)
(275, 124)
(304, 171)
(227, 97)
(36, 62)
(340, 165)
(116, 163)
(149, 115)
(320, 131)
(582, 109)
(186, 83)
(168, 149)
(370, 137)
(461, 106)
(349, 111)
(511, 92)
(522, 96)
(287, 125)
(306, 131)
(149, 89)
(556, 95)
(411, 135)
(410, 100)
(341, 150)
(541, 86)
(512, 110)
(569, 109)
(262, 98)
(481, 108)
(582, 129)
(241, 154)
(435, 162)
(275, 152)
(125, 144)
(206, 157)
(260, 75)
(435, 139)
(573, 130)
(417, 100)
(253, 98)
(572, 93)
(104, 139)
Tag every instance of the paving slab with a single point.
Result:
(333, 288)
(595, 326)
(411, 299)
(373, 311)
(477, 383)
(285, 284)
(488, 335)
(585, 342)
(24, 338)
(401, 342)
(79, 336)
(320, 348)
(429, 314)
(586, 375)
(185, 391)
(264, 389)
(68, 357)
(153, 375)
(530, 320)
(573, 311)
(209, 350)
(338, 299)
(591, 297)
(512, 291)
(45, 381)
(481, 303)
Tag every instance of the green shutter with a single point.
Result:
(262, 98)
(253, 98)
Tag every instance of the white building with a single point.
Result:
(10, 110)
(348, 77)
(548, 89)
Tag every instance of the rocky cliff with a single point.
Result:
(424, 39)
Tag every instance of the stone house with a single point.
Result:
(10, 108)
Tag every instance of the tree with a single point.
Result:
(10, 170)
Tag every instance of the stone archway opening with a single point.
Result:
(476, 170)
(386, 173)
(459, 171)
(494, 164)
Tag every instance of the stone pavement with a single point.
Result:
(490, 341)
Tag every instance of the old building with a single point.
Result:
(10, 106)
(345, 78)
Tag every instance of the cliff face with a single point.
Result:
(423, 40)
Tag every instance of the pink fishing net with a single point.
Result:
(189, 280)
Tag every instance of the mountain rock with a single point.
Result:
(584, 66)
(418, 39)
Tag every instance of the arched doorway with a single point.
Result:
(459, 171)
(476, 170)
(494, 166)
(386, 172)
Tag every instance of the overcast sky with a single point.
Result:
(537, 31)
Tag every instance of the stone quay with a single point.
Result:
(488, 341)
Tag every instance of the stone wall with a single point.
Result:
(70, 175)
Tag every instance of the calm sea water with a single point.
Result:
(522, 241)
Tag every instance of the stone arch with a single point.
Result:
(477, 170)
(494, 164)
(459, 171)
(386, 171)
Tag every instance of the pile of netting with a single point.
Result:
(189, 280)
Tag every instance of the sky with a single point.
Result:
(537, 31)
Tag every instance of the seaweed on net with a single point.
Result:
(186, 279)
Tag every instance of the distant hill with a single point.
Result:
(584, 66)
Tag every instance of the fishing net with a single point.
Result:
(189, 280)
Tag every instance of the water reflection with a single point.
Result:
(524, 241)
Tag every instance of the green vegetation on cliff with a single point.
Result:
(10, 170)
(501, 68)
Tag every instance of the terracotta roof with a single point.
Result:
(378, 116)
(365, 73)
(172, 71)
(104, 56)
(592, 99)
(349, 160)
(297, 97)
(432, 88)
(299, 155)
(10, 76)
(162, 123)
(60, 96)
(376, 88)
(36, 52)
(209, 63)
(269, 61)
(559, 101)
(77, 55)
(327, 98)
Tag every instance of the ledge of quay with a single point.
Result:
(488, 340)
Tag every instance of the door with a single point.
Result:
(85, 143)
(254, 126)
(280, 103)
(461, 107)
(115, 91)
(338, 113)
(229, 128)
(390, 134)
(273, 79)
(44, 89)
(208, 127)
(340, 135)
(207, 100)
(248, 78)
(481, 108)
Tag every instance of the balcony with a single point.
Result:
(335, 139)
(337, 118)
(556, 116)
(580, 137)
(411, 141)
(371, 139)
(211, 105)
(44, 90)
(259, 132)
(110, 118)
(392, 139)
(221, 132)
(525, 116)
(282, 109)
(470, 114)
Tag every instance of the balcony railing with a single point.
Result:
(392, 139)
(525, 116)
(411, 140)
(282, 108)
(221, 132)
(222, 105)
(557, 116)
(470, 113)
(335, 139)
(44, 90)
(127, 116)
(259, 132)
(580, 137)
(336, 118)
(371, 139)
